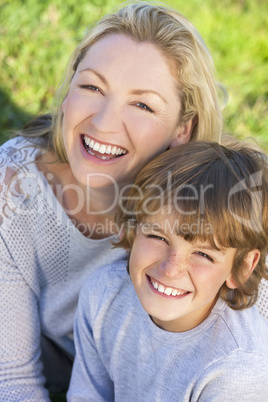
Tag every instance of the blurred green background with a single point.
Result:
(37, 37)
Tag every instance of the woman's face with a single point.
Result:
(122, 109)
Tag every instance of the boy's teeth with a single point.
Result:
(168, 291)
(102, 148)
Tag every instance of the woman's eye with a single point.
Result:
(205, 256)
(144, 106)
(91, 88)
(152, 236)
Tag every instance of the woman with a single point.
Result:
(140, 81)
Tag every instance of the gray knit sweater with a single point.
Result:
(44, 262)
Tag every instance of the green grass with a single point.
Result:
(37, 37)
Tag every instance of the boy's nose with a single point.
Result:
(108, 118)
(174, 265)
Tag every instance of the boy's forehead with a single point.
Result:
(174, 225)
(163, 222)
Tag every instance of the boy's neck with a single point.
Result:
(186, 323)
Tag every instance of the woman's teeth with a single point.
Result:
(166, 290)
(112, 150)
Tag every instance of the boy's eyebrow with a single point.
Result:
(156, 227)
(153, 226)
(211, 248)
(159, 230)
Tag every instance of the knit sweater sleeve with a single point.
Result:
(20, 367)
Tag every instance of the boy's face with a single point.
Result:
(176, 281)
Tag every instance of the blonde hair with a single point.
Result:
(178, 40)
(220, 191)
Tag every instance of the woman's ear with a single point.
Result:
(250, 262)
(183, 134)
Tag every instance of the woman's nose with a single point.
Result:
(174, 265)
(108, 118)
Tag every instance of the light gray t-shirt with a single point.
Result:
(44, 262)
(121, 355)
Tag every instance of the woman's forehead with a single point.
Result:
(130, 58)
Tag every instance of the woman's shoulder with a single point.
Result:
(17, 157)
(18, 151)
(17, 160)
(18, 174)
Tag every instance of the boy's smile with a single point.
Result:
(165, 290)
(176, 281)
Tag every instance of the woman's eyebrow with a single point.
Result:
(133, 92)
(101, 77)
(147, 91)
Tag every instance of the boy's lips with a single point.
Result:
(167, 290)
(101, 150)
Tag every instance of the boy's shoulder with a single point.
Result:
(233, 355)
(105, 284)
(245, 329)
(232, 350)
(115, 272)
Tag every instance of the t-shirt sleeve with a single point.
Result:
(20, 367)
(90, 380)
(234, 379)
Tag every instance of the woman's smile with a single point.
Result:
(105, 152)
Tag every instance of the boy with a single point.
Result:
(181, 326)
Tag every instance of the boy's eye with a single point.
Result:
(144, 106)
(152, 236)
(205, 256)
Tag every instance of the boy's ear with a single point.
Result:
(250, 262)
(121, 232)
(183, 134)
